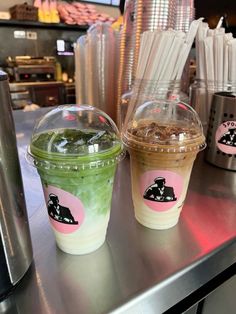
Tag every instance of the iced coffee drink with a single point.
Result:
(76, 163)
(162, 152)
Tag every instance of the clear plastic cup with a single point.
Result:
(163, 138)
(76, 149)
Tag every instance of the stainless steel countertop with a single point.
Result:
(137, 270)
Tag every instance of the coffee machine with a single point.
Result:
(15, 242)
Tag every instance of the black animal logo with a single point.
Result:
(159, 192)
(229, 138)
(58, 212)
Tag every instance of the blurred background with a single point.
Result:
(212, 10)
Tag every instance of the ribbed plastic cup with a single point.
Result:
(76, 150)
(140, 16)
(163, 138)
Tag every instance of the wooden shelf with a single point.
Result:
(32, 24)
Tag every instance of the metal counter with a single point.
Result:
(137, 270)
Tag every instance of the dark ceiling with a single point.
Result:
(212, 10)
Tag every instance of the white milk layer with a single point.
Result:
(152, 218)
(88, 238)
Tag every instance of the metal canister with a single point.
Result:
(15, 242)
(221, 134)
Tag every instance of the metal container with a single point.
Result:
(221, 134)
(15, 242)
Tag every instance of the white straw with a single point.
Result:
(218, 47)
(154, 60)
(219, 24)
(226, 64)
(146, 50)
(232, 60)
(200, 36)
(162, 60)
(182, 58)
(193, 30)
(163, 54)
(219, 55)
(189, 41)
(209, 58)
(168, 72)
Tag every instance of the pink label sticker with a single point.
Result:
(66, 211)
(161, 189)
(226, 137)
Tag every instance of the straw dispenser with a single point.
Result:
(221, 135)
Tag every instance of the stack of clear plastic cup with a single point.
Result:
(140, 16)
(152, 15)
(127, 48)
(185, 14)
(76, 150)
(163, 137)
(159, 14)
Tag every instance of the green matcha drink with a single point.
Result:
(77, 164)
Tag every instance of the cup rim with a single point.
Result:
(74, 164)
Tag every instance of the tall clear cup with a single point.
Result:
(163, 137)
(76, 149)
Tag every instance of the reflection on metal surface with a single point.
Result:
(76, 272)
(42, 295)
(19, 135)
(205, 234)
(8, 306)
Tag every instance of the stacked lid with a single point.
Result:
(96, 67)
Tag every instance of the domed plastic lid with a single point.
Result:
(164, 126)
(75, 136)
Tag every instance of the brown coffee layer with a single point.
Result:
(154, 133)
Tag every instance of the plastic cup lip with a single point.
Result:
(174, 150)
(79, 163)
(184, 147)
